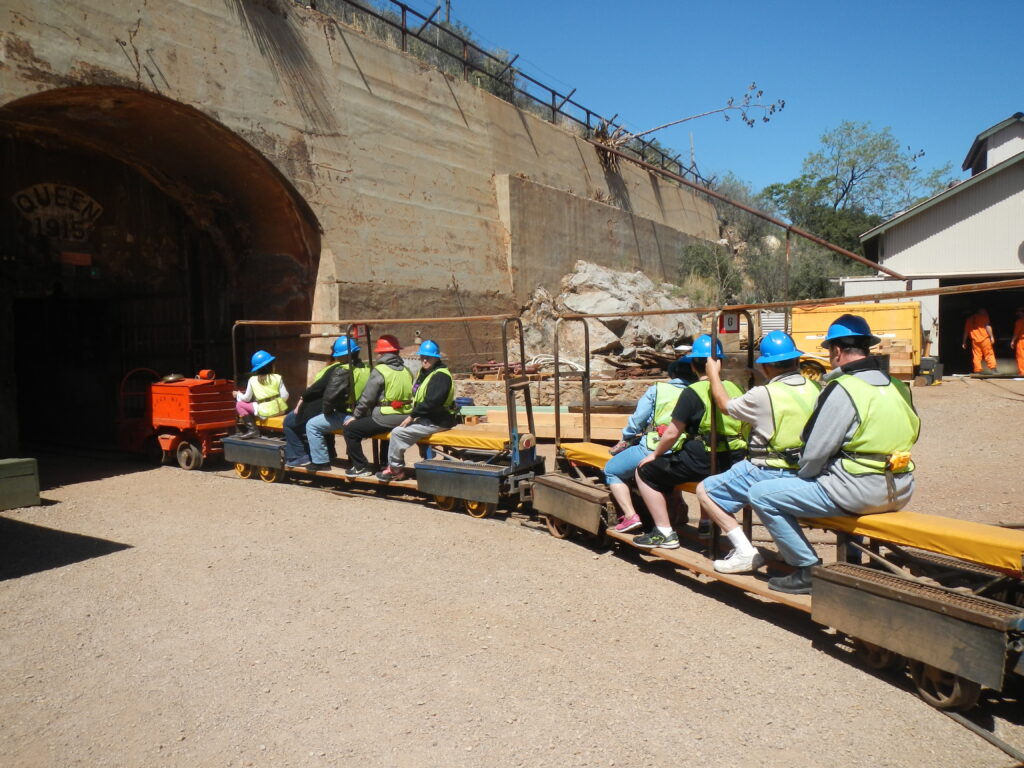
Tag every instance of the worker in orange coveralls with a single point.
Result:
(978, 329)
(1017, 342)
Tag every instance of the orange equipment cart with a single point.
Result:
(175, 416)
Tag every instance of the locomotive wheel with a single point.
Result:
(943, 690)
(479, 509)
(271, 474)
(189, 456)
(244, 471)
(558, 528)
(812, 369)
(876, 657)
(447, 503)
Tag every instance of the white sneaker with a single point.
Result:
(737, 563)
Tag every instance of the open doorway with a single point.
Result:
(134, 231)
(955, 308)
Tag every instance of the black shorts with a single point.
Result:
(666, 472)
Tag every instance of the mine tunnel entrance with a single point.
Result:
(134, 232)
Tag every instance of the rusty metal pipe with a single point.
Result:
(379, 321)
(995, 285)
(753, 211)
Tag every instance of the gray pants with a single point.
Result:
(404, 437)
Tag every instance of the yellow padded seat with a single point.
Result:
(1001, 548)
(459, 436)
(596, 455)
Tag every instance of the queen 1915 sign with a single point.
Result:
(58, 211)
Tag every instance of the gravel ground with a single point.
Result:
(161, 617)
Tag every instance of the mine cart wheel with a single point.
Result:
(189, 455)
(876, 657)
(271, 474)
(812, 369)
(479, 509)
(558, 528)
(943, 690)
(447, 503)
(244, 471)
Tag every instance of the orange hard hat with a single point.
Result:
(386, 343)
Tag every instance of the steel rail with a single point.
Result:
(987, 735)
(753, 211)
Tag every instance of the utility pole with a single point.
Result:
(447, 11)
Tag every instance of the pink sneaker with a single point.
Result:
(627, 524)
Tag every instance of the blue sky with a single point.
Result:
(937, 73)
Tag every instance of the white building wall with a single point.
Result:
(1005, 144)
(866, 286)
(979, 231)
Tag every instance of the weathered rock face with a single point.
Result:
(593, 289)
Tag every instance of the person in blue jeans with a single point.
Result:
(330, 397)
(777, 412)
(639, 436)
(856, 454)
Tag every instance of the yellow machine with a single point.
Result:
(897, 324)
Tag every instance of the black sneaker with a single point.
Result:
(314, 467)
(358, 472)
(656, 540)
(796, 583)
(704, 529)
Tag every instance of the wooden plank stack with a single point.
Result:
(901, 357)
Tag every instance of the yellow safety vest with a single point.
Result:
(397, 388)
(421, 390)
(731, 431)
(268, 396)
(792, 406)
(665, 398)
(888, 427)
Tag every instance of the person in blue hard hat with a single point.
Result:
(330, 393)
(777, 412)
(683, 454)
(265, 395)
(433, 410)
(384, 404)
(855, 458)
(651, 416)
(345, 383)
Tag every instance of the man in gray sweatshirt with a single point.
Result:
(856, 455)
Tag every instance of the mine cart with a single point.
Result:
(186, 418)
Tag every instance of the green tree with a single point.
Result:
(713, 267)
(858, 171)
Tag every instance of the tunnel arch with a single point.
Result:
(139, 228)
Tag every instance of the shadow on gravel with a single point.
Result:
(57, 469)
(27, 548)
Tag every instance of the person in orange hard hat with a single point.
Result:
(978, 330)
(384, 404)
(1017, 342)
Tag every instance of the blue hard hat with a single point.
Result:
(777, 347)
(847, 326)
(429, 349)
(342, 346)
(702, 349)
(261, 359)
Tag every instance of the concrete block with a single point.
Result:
(19, 483)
